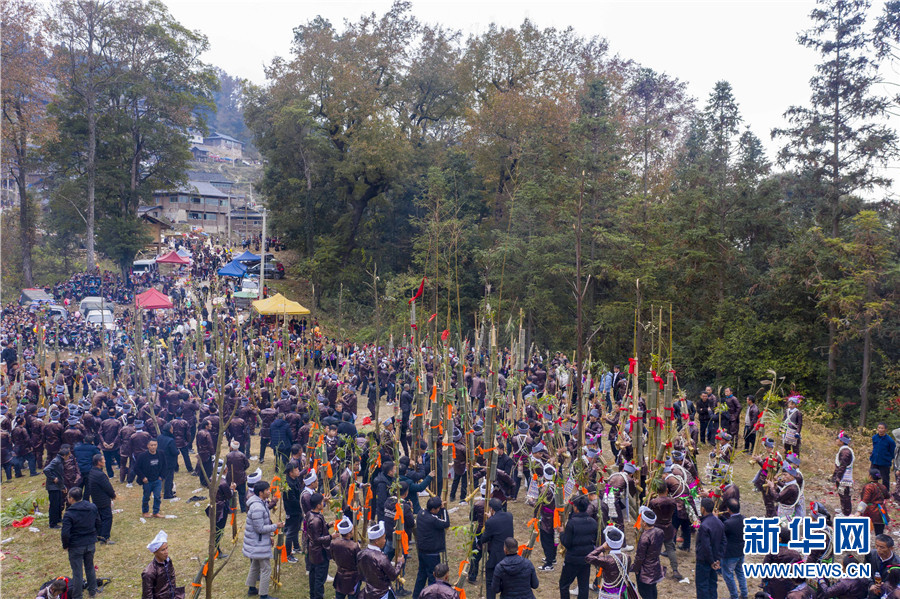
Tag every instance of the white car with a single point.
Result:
(101, 317)
(250, 284)
(92, 303)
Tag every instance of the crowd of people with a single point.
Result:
(439, 425)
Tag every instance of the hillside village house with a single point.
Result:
(197, 203)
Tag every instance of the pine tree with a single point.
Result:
(839, 139)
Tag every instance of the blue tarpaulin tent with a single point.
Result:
(247, 256)
(232, 269)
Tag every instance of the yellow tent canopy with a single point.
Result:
(278, 305)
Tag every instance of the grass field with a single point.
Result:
(31, 558)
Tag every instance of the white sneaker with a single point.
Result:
(329, 579)
(629, 547)
(129, 486)
(573, 590)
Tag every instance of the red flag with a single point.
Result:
(433, 316)
(445, 335)
(419, 292)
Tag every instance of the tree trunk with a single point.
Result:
(864, 384)
(832, 360)
(91, 259)
(579, 325)
(835, 231)
(26, 227)
(20, 174)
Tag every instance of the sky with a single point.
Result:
(753, 45)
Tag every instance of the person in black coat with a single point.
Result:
(80, 526)
(406, 401)
(281, 439)
(497, 528)
(515, 576)
(84, 455)
(414, 487)
(732, 564)
(168, 448)
(101, 493)
(346, 426)
(149, 469)
(579, 538)
(431, 541)
(56, 484)
(380, 489)
(292, 509)
(710, 550)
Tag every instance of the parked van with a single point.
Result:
(142, 266)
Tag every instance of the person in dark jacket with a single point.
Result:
(406, 401)
(666, 509)
(266, 416)
(647, 567)
(732, 564)
(236, 464)
(56, 485)
(579, 538)
(710, 550)
(414, 487)
(206, 451)
(158, 578)
(846, 588)
(882, 456)
(109, 440)
(497, 528)
(281, 439)
(380, 485)
(292, 509)
(515, 576)
(181, 431)
(84, 455)
(318, 546)
(780, 587)
(168, 447)
(223, 507)
(374, 566)
(882, 556)
(345, 551)
(431, 540)
(101, 493)
(80, 526)
(149, 469)
(441, 589)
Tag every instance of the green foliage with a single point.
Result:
(121, 238)
(394, 143)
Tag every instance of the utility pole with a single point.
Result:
(262, 258)
(228, 218)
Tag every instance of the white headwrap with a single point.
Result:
(345, 525)
(158, 541)
(255, 477)
(376, 531)
(617, 543)
(648, 515)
